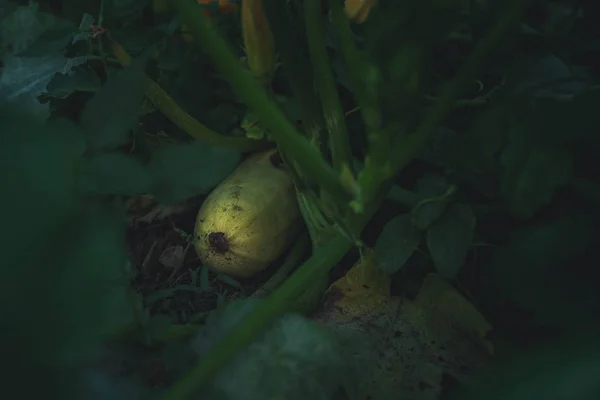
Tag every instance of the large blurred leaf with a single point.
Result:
(546, 76)
(115, 108)
(572, 119)
(533, 171)
(65, 282)
(115, 173)
(22, 26)
(182, 171)
(534, 270)
(449, 239)
(399, 72)
(123, 8)
(23, 79)
(397, 242)
(477, 149)
(563, 371)
(52, 41)
(64, 84)
(433, 191)
(298, 359)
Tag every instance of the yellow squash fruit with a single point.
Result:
(250, 219)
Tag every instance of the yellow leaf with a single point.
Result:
(401, 348)
(441, 300)
(363, 290)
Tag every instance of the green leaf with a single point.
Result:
(99, 271)
(79, 79)
(422, 26)
(114, 173)
(68, 135)
(537, 271)
(53, 40)
(541, 76)
(565, 370)
(477, 148)
(24, 79)
(115, 108)
(65, 282)
(431, 189)
(117, 9)
(23, 26)
(183, 171)
(397, 242)
(532, 172)
(575, 120)
(450, 238)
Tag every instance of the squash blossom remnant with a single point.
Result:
(210, 8)
(358, 10)
(258, 39)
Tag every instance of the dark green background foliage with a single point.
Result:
(502, 202)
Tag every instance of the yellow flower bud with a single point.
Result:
(258, 39)
(358, 10)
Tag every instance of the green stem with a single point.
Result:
(335, 122)
(169, 107)
(407, 146)
(294, 257)
(264, 315)
(251, 92)
(355, 63)
(296, 68)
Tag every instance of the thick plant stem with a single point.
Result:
(333, 114)
(249, 90)
(165, 104)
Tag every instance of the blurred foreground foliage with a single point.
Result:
(502, 203)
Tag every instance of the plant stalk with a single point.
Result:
(355, 63)
(297, 69)
(333, 113)
(406, 147)
(165, 104)
(249, 90)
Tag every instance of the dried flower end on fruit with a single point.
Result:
(250, 219)
(218, 242)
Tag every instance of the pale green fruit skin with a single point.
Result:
(249, 220)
